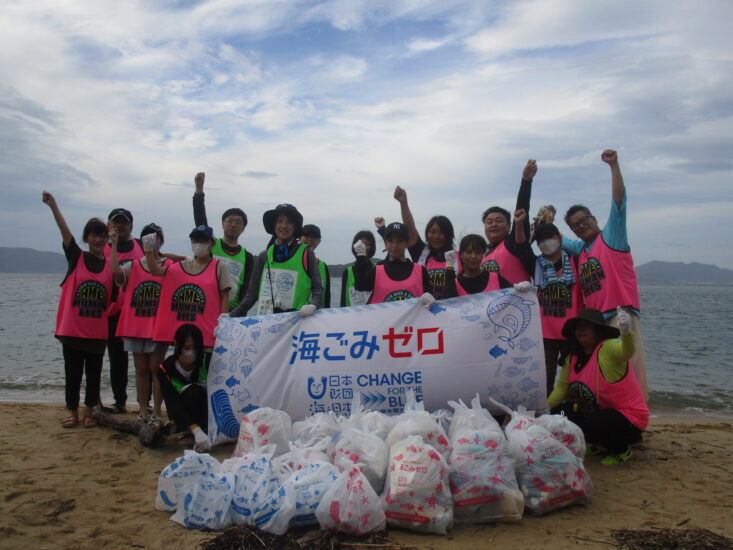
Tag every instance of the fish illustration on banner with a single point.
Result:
(486, 342)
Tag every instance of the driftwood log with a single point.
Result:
(149, 434)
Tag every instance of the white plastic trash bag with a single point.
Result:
(358, 447)
(315, 427)
(351, 506)
(178, 474)
(474, 417)
(564, 431)
(264, 426)
(206, 502)
(252, 485)
(417, 496)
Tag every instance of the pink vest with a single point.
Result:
(492, 284)
(625, 395)
(140, 302)
(501, 261)
(122, 258)
(607, 277)
(387, 290)
(83, 304)
(190, 299)
(558, 303)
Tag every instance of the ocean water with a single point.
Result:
(688, 336)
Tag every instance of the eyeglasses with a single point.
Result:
(582, 221)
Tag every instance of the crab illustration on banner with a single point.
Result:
(489, 342)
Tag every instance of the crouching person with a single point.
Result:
(182, 378)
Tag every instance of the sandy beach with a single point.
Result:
(95, 488)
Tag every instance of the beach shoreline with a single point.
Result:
(91, 488)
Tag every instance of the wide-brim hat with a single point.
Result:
(270, 217)
(593, 316)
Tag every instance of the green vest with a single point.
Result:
(353, 297)
(180, 385)
(292, 284)
(322, 271)
(235, 265)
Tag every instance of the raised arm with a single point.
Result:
(520, 218)
(525, 191)
(618, 189)
(66, 236)
(114, 263)
(400, 196)
(199, 208)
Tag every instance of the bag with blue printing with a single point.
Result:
(304, 490)
(182, 471)
(253, 483)
(206, 503)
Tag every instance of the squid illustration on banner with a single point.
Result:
(490, 343)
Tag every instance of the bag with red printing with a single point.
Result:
(564, 431)
(264, 426)
(350, 505)
(417, 496)
(417, 421)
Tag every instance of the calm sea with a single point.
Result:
(688, 336)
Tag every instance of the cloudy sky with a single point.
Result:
(328, 105)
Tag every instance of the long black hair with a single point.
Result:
(182, 334)
(446, 227)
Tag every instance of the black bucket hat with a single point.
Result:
(270, 217)
(592, 316)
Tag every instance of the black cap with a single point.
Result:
(270, 217)
(592, 316)
(546, 230)
(310, 230)
(120, 212)
(202, 231)
(396, 227)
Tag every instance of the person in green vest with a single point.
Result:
(312, 237)
(182, 378)
(286, 275)
(238, 260)
(349, 295)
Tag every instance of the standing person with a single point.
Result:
(195, 290)
(140, 302)
(312, 237)
(128, 250)
(504, 255)
(182, 379)
(395, 278)
(81, 321)
(291, 265)
(349, 295)
(227, 249)
(605, 265)
(471, 279)
(596, 388)
(558, 293)
(439, 239)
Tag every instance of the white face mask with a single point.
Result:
(200, 250)
(549, 246)
(187, 357)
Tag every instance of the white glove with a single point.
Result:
(360, 248)
(523, 286)
(307, 310)
(150, 242)
(450, 259)
(427, 300)
(202, 440)
(624, 320)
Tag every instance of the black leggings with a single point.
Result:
(117, 363)
(75, 364)
(606, 427)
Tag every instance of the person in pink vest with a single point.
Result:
(139, 308)
(597, 388)
(395, 278)
(558, 293)
(605, 266)
(195, 290)
(81, 321)
(505, 255)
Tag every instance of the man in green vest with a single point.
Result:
(312, 237)
(239, 262)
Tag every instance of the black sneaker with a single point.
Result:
(118, 409)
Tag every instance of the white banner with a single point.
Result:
(488, 343)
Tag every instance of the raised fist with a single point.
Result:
(530, 169)
(609, 156)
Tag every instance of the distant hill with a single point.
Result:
(28, 260)
(657, 272)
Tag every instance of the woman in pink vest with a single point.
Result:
(139, 308)
(471, 279)
(81, 321)
(597, 388)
